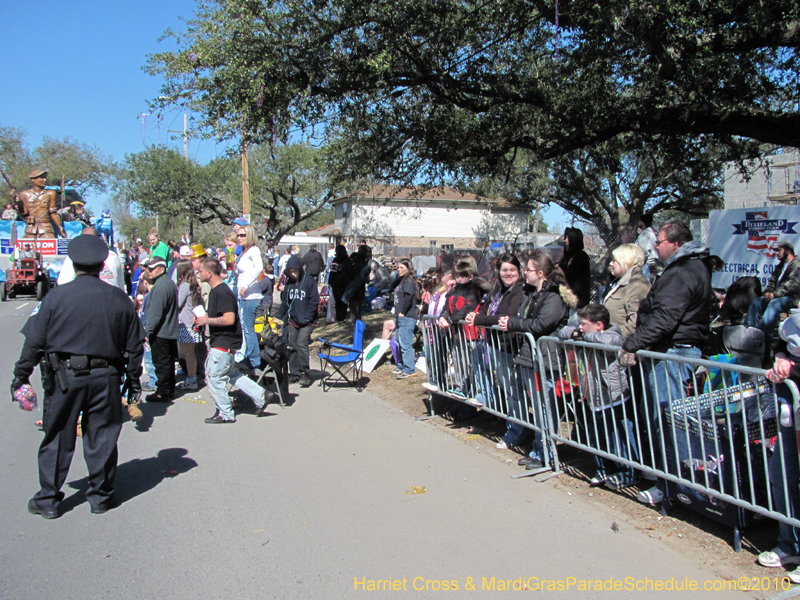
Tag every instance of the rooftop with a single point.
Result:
(423, 196)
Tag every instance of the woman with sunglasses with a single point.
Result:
(248, 269)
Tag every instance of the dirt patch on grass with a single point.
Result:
(708, 543)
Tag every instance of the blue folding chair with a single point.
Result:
(349, 367)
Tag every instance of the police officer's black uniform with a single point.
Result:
(85, 328)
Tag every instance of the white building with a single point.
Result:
(775, 184)
(403, 216)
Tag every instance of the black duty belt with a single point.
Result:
(80, 363)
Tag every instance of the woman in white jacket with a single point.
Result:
(248, 269)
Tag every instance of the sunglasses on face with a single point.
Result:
(238, 235)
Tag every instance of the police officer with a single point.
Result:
(89, 333)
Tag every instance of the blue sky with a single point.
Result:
(74, 69)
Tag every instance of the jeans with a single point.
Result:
(219, 372)
(666, 380)
(405, 340)
(611, 432)
(298, 339)
(494, 374)
(149, 368)
(520, 381)
(767, 318)
(484, 358)
(247, 312)
(784, 483)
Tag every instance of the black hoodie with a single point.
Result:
(300, 298)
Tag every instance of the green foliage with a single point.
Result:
(616, 182)
(423, 90)
(288, 186)
(160, 181)
(83, 167)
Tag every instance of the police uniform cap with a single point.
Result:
(154, 262)
(35, 174)
(87, 249)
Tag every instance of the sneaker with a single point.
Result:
(148, 388)
(217, 419)
(617, 482)
(598, 479)
(187, 385)
(530, 463)
(397, 371)
(777, 558)
(430, 386)
(794, 576)
(404, 375)
(457, 393)
(651, 496)
(501, 445)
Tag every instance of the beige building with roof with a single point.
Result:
(775, 184)
(440, 217)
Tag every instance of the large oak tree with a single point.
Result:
(422, 89)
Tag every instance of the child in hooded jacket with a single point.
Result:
(298, 311)
(461, 300)
(605, 391)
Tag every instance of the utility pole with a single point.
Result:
(185, 133)
(245, 182)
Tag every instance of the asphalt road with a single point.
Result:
(303, 503)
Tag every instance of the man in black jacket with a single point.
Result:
(313, 262)
(674, 318)
(162, 327)
(298, 311)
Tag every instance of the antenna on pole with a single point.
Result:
(143, 119)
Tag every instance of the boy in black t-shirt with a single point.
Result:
(225, 338)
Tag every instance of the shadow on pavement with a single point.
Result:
(137, 476)
(151, 410)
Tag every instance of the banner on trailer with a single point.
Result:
(745, 239)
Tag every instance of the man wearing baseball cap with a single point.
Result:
(162, 327)
(89, 356)
(782, 292)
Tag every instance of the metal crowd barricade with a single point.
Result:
(475, 365)
(709, 429)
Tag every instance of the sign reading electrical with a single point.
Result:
(745, 239)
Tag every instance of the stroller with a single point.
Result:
(274, 363)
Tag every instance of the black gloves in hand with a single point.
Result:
(15, 385)
(134, 390)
